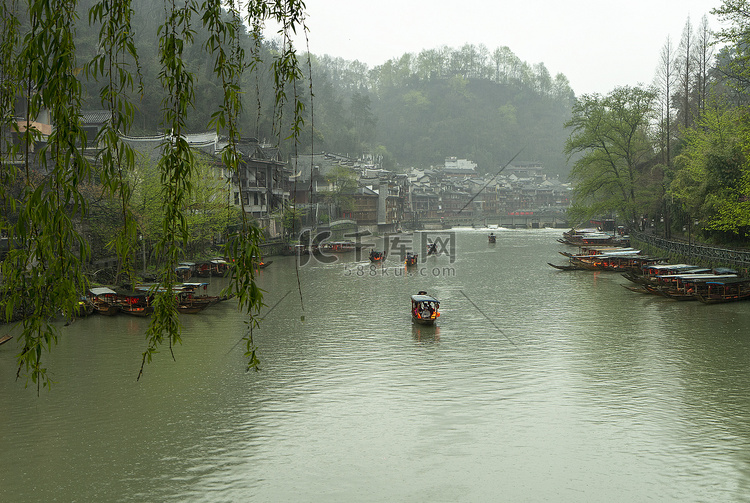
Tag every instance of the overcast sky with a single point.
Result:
(597, 44)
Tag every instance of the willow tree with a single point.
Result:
(613, 168)
(42, 194)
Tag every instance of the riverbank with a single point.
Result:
(695, 253)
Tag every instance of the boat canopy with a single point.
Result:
(673, 267)
(423, 298)
(728, 281)
(724, 270)
(695, 276)
(102, 290)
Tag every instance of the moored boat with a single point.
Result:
(184, 270)
(83, 308)
(581, 237)
(338, 246)
(684, 286)
(134, 303)
(219, 267)
(613, 261)
(104, 300)
(203, 269)
(189, 292)
(424, 309)
(649, 272)
(725, 290)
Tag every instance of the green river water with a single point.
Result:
(535, 385)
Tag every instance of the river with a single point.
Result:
(535, 385)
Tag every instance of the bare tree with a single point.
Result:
(685, 60)
(665, 81)
(704, 52)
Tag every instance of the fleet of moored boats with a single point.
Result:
(189, 297)
(652, 275)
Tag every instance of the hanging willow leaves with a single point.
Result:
(46, 171)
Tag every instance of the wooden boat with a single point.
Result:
(338, 246)
(83, 309)
(614, 261)
(411, 259)
(579, 237)
(189, 292)
(649, 272)
(185, 297)
(262, 264)
(685, 286)
(638, 289)
(377, 256)
(491, 237)
(424, 309)
(725, 290)
(184, 272)
(203, 269)
(219, 267)
(104, 300)
(135, 303)
(5, 338)
(568, 267)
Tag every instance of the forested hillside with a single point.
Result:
(450, 102)
(414, 111)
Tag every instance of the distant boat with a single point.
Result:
(424, 309)
(376, 256)
(491, 237)
(411, 259)
(338, 246)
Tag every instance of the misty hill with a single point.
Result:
(412, 111)
(418, 110)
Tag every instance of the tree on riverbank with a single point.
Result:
(615, 167)
(637, 162)
(40, 75)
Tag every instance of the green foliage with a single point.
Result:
(465, 102)
(47, 198)
(616, 156)
(712, 176)
(343, 184)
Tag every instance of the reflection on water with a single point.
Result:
(425, 333)
(564, 387)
